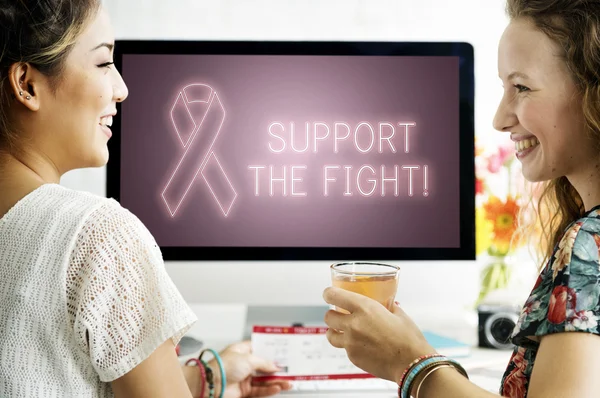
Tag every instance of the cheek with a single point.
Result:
(94, 96)
(566, 129)
(552, 125)
(533, 118)
(101, 95)
(91, 105)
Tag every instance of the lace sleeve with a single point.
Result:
(123, 303)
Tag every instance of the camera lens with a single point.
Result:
(498, 328)
(501, 330)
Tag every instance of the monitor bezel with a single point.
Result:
(462, 50)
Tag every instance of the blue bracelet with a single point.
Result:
(413, 373)
(221, 369)
(405, 392)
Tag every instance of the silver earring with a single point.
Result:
(28, 97)
(21, 93)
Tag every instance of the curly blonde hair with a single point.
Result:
(575, 26)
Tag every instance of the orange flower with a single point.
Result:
(479, 150)
(504, 216)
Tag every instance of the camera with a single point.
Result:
(496, 325)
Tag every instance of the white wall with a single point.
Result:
(476, 21)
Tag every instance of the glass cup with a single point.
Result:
(374, 280)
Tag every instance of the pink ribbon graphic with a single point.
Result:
(198, 116)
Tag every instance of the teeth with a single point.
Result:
(106, 121)
(525, 144)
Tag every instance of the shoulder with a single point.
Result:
(110, 224)
(95, 215)
(566, 296)
(55, 194)
(109, 211)
(56, 203)
(57, 214)
(82, 223)
(576, 254)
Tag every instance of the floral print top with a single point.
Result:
(565, 298)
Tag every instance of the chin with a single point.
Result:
(102, 162)
(533, 179)
(99, 159)
(536, 176)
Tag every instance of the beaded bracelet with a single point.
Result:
(410, 385)
(433, 369)
(202, 374)
(424, 365)
(411, 366)
(210, 379)
(221, 368)
(413, 372)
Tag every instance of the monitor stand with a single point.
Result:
(284, 316)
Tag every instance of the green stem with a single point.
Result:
(495, 276)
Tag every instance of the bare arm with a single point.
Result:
(160, 375)
(448, 383)
(193, 379)
(567, 365)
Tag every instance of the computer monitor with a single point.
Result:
(294, 151)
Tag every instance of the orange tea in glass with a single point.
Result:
(374, 280)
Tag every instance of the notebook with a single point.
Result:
(447, 346)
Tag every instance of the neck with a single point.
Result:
(587, 184)
(27, 168)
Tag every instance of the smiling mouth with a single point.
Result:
(522, 145)
(106, 121)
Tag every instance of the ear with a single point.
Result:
(25, 81)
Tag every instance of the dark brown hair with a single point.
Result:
(41, 33)
(575, 26)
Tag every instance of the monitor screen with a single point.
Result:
(297, 150)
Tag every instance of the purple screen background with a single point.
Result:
(257, 90)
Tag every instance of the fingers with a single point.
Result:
(266, 391)
(262, 365)
(345, 299)
(242, 347)
(335, 338)
(336, 320)
(398, 311)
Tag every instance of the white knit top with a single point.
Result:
(84, 295)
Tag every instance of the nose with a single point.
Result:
(505, 118)
(120, 90)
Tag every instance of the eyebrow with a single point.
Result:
(110, 46)
(517, 74)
